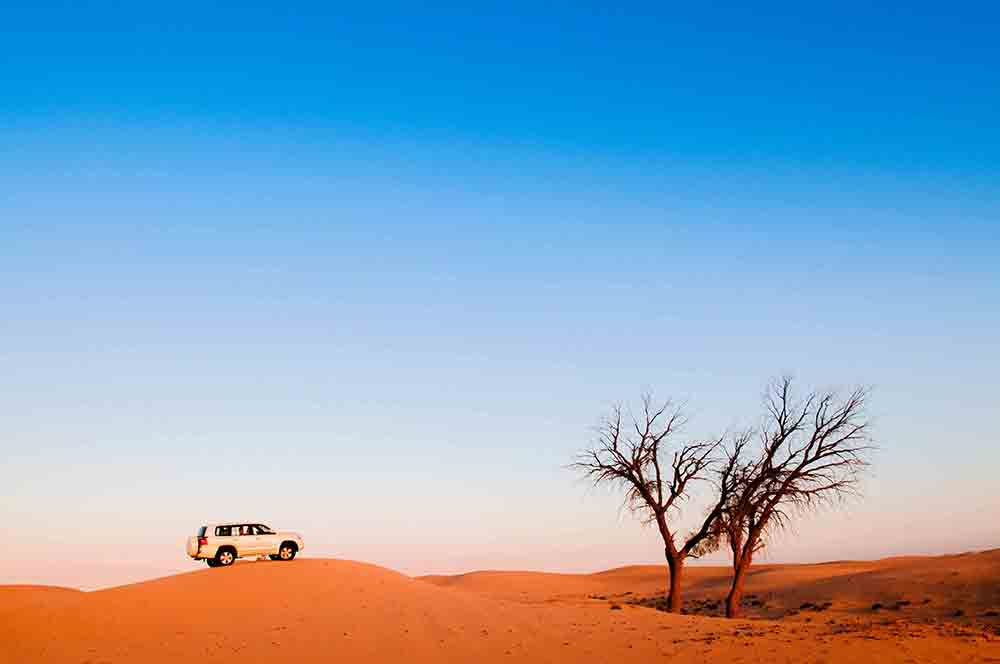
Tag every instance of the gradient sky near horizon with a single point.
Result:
(374, 273)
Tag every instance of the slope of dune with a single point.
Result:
(934, 586)
(25, 598)
(330, 610)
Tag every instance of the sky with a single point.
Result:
(374, 274)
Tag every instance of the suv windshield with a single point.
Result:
(265, 530)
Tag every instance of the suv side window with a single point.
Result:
(223, 531)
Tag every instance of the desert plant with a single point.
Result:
(811, 452)
(638, 456)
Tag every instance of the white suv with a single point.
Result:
(221, 544)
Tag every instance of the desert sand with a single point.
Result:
(317, 610)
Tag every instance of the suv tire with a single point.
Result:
(225, 557)
(287, 551)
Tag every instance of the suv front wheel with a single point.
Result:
(287, 551)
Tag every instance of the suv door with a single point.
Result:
(267, 539)
(226, 535)
(248, 546)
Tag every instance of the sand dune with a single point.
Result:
(331, 610)
(25, 598)
(967, 582)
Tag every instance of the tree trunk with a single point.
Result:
(740, 568)
(676, 565)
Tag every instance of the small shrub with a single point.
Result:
(616, 607)
(876, 606)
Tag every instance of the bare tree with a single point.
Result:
(812, 452)
(657, 477)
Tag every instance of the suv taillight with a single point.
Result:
(202, 541)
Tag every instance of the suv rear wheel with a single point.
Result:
(225, 557)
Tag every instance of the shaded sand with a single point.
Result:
(331, 610)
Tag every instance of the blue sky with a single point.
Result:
(374, 273)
